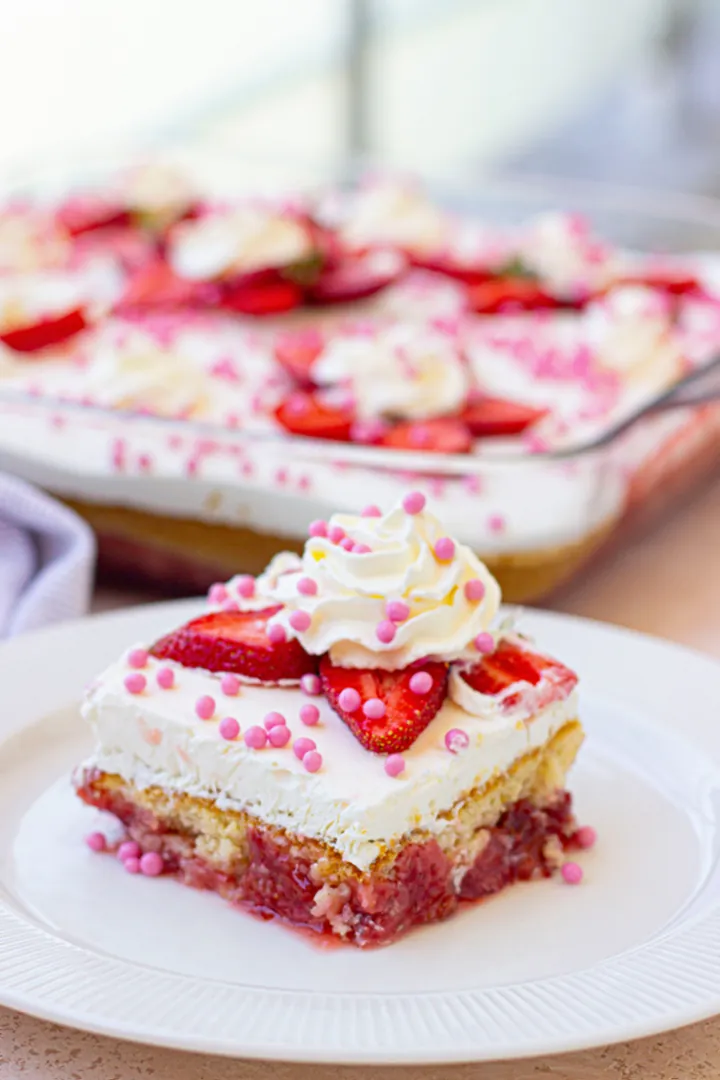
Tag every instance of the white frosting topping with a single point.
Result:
(141, 374)
(563, 252)
(631, 331)
(157, 189)
(351, 804)
(405, 371)
(353, 590)
(394, 214)
(30, 240)
(244, 240)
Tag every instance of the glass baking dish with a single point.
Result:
(183, 503)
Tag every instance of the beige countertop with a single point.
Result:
(665, 583)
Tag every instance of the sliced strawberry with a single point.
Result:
(89, 213)
(264, 293)
(306, 413)
(508, 295)
(46, 332)
(450, 267)
(513, 665)
(353, 277)
(157, 285)
(236, 641)
(406, 714)
(676, 284)
(297, 351)
(490, 416)
(441, 435)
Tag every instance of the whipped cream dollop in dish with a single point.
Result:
(631, 330)
(387, 590)
(391, 213)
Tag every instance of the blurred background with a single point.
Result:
(626, 91)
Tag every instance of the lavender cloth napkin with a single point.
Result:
(47, 556)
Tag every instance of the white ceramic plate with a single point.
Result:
(543, 968)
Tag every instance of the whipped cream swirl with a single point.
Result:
(406, 371)
(386, 213)
(631, 331)
(141, 374)
(245, 240)
(569, 260)
(346, 606)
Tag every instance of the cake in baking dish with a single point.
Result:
(350, 743)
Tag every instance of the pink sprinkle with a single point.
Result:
(205, 707)
(474, 589)
(414, 502)
(374, 709)
(312, 762)
(307, 587)
(165, 678)
(421, 682)
(246, 585)
(309, 714)
(347, 543)
(132, 865)
(282, 476)
(484, 643)
(135, 683)
(586, 836)
(279, 736)
(395, 764)
(361, 549)
(397, 610)
(385, 631)
(303, 746)
(318, 528)
(572, 873)
(129, 849)
(371, 511)
(256, 737)
(335, 534)
(151, 864)
(137, 658)
(145, 463)
(349, 699)
(367, 431)
(496, 523)
(229, 728)
(300, 621)
(457, 740)
(96, 841)
(274, 719)
(310, 685)
(230, 605)
(445, 549)
(217, 593)
(230, 685)
(472, 484)
(276, 634)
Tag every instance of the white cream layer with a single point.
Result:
(156, 739)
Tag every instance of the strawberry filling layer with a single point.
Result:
(278, 876)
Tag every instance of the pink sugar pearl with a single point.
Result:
(572, 873)
(397, 610)
(229, 728)
(230, 685)
(312, 761)
(165, 678)
(445, 549)
(361, 549)
(279, 736)
(300, 621)
(318, 528)
(457, 740)
(96, 841)
(335, 534)
(230, 605)
(414, 502)
(385, 631)
(274, 719)
(245, 585)
(309, 714)
(276, 634)
(395, 764)
(205, 707)
(137, 658)
(129, 849)
(421, 682)
(484, 643)
(217, 593)
(496, 523)
(132, 865)
(307, 587)
(151, 864)
(256, 737)
(349, 699)
(371, 511)
(310, 685)
(586, 836)
(347, 543)
(135, 683)
(301, 747)
(374, 709)
(474, 590)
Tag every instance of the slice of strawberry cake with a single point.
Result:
(345, 742)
